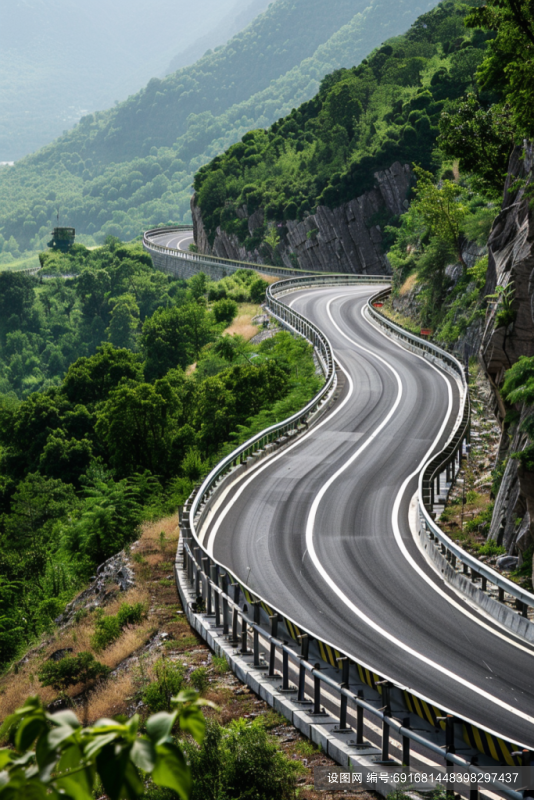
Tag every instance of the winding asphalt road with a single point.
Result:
(179, 240)
(321, 531)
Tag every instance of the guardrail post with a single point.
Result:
(343, 700)
(285, 672)
(304, 654)
(216, 598)
(385, 724)
(501, 594)
(233, 636)
(317, 711)
(236, 589)
(405, 744)
(197, 571)
(224, 581)
(359, 720)
(255, 636)
(272, 651)
(209, 609)
(244, 631)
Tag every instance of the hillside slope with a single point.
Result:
(329, 151)
(133, 165)
(60, 59)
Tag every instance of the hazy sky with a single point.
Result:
(62, 58)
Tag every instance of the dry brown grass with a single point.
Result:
(191, 368)
(408, 285)
(150, 532)
(242, 324)
(111, 697)
(132, 639)
(15, 687)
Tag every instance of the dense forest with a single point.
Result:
(132, 166)
(362, 120)
(105, 422)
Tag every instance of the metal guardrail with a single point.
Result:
(207, 573)
(229, 264)
(213, 586)
(447, 463)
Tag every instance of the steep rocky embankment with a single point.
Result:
(344, 239)
(511, 266)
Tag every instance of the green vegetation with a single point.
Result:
(131, 167)
(518, 389)
(362, 120)
(169, 681)
(47, 750)
(240, 761)
(109, 628)
(117, 432)
(70, 670)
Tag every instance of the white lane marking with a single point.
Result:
(213, 533)
(387, 636)
(310, 524)
(504, 635)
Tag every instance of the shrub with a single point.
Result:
(199, 679)
(224, 310)
(108, 629)
(71, 670)
(257, 290)
(220, 665)
(491, 548)
(241, 762)
(170, 678)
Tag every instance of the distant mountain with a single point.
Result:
(132, 166)
(238, 17)
(60, 59)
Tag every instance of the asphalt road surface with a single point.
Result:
(321, 531)
(179, 240)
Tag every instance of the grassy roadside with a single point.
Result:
(162, 640)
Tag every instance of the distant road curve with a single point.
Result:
(176, 240)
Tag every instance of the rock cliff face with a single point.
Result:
(511, 266)
(343, 239)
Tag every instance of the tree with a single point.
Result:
(225, 310)
(258, 288)
(442, 210)
(137, 423)
(508, 65)
(124, 322)
(36, 502)
(16, 295)
(92, 288)
(109, 518)
(174, 336)
(90, 380)
(53, 755)
(198, 285)
(483, 139)
(65, 459)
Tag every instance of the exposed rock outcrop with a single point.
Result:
(511, 266)
(344, 239)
